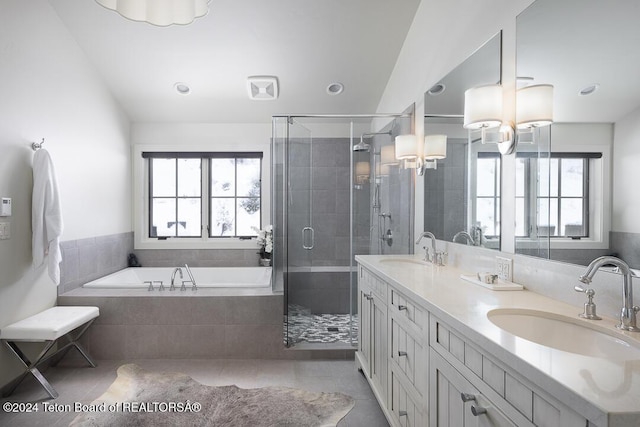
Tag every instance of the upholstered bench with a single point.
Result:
(48, 327)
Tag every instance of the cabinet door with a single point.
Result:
(378, 355)
(449, 408)
(364, 334)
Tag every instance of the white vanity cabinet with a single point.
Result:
(372, 334)
(458, 366)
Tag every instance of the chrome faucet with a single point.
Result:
(466, 235)
(173, 278)
(628, 311)
(435, 257)
(476, 231)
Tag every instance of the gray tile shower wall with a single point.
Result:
(87, 259)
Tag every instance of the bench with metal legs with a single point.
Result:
(49, 326)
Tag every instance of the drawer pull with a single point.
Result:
(402, 353)
(402, 413)
(368, 296)
(476, 410)
(402, 307)
(466, 397)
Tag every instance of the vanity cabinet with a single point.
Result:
(425, 372)
(372, 339)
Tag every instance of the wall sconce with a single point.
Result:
(482, 111)
(534, 106)
(407, 150)
(435, 148)
(362, 172)
(388, 155)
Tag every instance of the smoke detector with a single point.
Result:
(262, 88)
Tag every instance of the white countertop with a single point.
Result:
(604, 391)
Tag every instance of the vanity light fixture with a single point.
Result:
(534, 106)
(363, 169)
(435, 148)
(482, 111)
(160, 13)
(388, 155)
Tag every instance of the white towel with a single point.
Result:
(46, 215)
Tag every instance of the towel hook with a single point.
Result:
(37, 145)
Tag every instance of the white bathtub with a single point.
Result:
(205, 277)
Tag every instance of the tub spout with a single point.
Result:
(173, 278)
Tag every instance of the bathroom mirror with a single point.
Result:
(462, 194)
(587, 160)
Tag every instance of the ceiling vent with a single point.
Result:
(262, 88)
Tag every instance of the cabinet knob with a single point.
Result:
(477, 410)
(402, 353)
(402, 413)
(467, 397)
(402, 307)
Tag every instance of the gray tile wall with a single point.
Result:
(198, 257)
(626, 246)
(85, 260)
(190, 327)
(322, 292)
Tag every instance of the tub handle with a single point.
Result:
(304, 239)
(150, 288)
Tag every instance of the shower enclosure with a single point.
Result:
(337, 193)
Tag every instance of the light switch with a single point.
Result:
(5, 230)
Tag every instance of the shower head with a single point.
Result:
(361, 146)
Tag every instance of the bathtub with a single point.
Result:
(205, 277)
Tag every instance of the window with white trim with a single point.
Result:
(555, 191)
(204, 195)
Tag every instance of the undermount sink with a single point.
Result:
(403, 261)
(565, 333)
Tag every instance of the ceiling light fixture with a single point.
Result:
(335, 88)
(160, 13)
(182, 88)
(436, 89)
(589, 89)
(262, 88)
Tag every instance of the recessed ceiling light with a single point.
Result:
(588, 90)
(436, 89)
(182, 88)
(335, 88)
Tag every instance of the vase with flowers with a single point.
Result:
(265, 242)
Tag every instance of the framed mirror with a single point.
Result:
(573, 179)
(462, 191)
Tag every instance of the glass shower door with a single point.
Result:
(299, 228)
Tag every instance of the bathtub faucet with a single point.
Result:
(194, 287)
(173, 278)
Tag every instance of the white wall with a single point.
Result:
(49, 90)
(626, 157)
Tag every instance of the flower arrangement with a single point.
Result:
(265, 241)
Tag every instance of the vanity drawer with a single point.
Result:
(403, 308)
(406, 411)
(410, 356)
(521, 400)
(372, 283)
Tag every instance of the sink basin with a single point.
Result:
(403, 261)
(565, 333)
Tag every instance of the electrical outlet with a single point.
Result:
(504, 268)
(5, 231)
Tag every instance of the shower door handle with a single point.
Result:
(304, 238)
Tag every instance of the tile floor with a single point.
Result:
(80, 384)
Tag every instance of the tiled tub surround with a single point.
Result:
(87, 259)
(604, 392)
(208, 323)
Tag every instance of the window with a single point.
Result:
(555, 191)
(487, 210)
(228, 205)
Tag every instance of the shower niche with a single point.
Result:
(337, 193)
